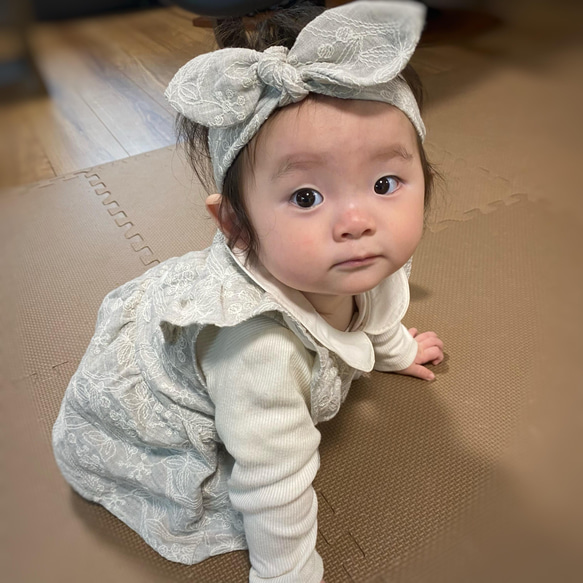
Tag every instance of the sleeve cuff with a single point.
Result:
(395, 350)
(311, 572)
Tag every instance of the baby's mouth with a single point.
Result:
(357, 261)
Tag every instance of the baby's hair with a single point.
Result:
(279, 28)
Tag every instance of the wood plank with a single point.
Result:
(134, 52)
(106, 78)
(162, 42)
(137, 122)
(179, 34)
(149, 76)
(22, 157)
(72, 136)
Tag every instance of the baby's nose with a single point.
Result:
(355, 222)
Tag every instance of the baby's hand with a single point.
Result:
(429, 349)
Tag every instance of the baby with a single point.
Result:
(192, 416)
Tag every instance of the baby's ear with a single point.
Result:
(213, 204)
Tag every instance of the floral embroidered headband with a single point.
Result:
(355, 51)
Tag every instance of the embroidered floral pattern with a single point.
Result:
(136, 429)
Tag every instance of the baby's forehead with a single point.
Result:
(320, 123)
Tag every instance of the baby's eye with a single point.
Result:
(386, 185)
(306, 198)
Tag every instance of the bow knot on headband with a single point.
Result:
(274, 70)
(355, 51)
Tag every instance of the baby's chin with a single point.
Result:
(353, 287)
(354, 290)
(340, 283)
(362, 282)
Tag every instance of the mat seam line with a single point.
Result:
(113, 207)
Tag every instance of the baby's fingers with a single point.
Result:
(429, 338)
(421, 373)
(430, 342)
(431, 354)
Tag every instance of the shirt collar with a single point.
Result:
(379, 309)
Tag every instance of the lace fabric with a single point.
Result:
(136, 431)
(355, 51)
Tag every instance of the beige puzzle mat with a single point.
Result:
(409, 470)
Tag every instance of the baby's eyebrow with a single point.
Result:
(297, 162)
(393, 151)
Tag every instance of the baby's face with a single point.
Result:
(336, 196)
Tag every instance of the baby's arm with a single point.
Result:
(258, 375)
(429, 349)
(405, 351)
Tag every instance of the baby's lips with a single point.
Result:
(357, 259)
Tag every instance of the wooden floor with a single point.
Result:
(105, 78)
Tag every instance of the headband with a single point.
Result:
(355, 51)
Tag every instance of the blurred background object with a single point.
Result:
(453, 17)
(234, 8)
(59, 9)
(18, 74)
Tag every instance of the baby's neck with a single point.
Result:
(336, 310)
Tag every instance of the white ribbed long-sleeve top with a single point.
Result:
(258, 375)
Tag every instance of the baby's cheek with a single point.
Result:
(412, 231)
(294, 240)
(293, 261)
(303, 240)
(410, 228)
